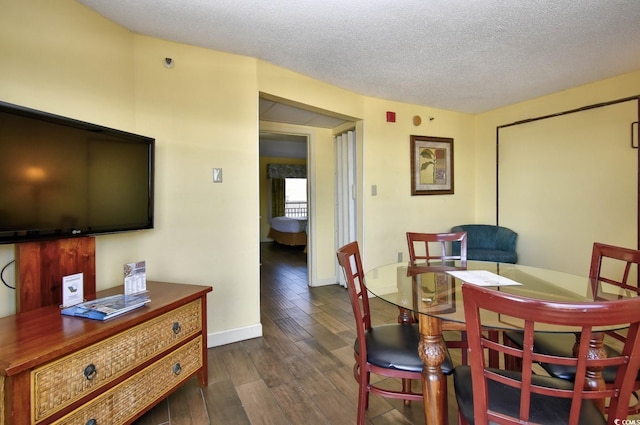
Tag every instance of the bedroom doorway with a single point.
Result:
(284, 195)
(283, 117)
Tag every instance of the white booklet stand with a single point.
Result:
(135, 277)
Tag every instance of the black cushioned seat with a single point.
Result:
(389, 350)
(396, 347)
(555, 411)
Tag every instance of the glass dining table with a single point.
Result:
(432, 293)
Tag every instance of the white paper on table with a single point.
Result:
(482, 278)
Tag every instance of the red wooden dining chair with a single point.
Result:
(516, 397)
(386, 350)
(419, 247)
(610, 264)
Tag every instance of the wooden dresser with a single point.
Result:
(69, 370)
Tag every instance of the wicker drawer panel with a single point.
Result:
(61, 382)
(121, 403)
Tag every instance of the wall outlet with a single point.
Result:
(399, 256)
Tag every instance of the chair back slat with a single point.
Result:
(618, 265)
(351, 263)
(618, 262)
(588, 319)
(420, 249)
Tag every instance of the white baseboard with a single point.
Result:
(234, 335)
(326, 281)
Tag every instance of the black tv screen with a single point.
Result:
(61, 177)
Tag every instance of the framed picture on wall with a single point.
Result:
(431, 165)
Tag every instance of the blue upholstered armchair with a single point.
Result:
(488, 243)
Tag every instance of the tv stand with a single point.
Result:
(114, 371)
(40, 267)
(57, 369)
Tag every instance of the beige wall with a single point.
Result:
(206, 233)
(569, 228)
(393, 212)
(65, 59)
(601, 91)
(62, 58)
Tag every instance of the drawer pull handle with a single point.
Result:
(92, 422)
(177, 328)
(177, 369)
(90, 372)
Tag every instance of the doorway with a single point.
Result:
(284, 193)
(284, 117)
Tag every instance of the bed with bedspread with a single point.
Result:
(289, 230)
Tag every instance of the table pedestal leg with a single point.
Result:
(594, 379)
(434, 385)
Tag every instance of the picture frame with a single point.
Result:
(431, 165)
(436, 292)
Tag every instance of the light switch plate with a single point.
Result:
(217, 175)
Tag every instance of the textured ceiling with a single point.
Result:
(463, 55)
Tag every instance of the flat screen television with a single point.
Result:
(62, 178)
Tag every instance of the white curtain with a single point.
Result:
(345, 144)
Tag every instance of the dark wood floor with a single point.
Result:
(299, 372)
